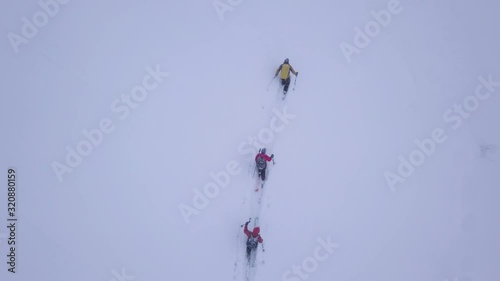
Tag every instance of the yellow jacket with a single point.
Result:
(285, 71)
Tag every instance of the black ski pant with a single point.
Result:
(262, 174)
(249, 251)
(285, 83)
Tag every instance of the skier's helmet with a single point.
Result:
(286, 60)
(256, 231)
(263, 150)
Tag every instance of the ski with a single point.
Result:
(251, 258)
(260, 185)
(261, 194)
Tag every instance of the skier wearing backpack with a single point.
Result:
(261, 160)
(285, 69)
(254, 239)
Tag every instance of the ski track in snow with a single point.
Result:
(256, 201)
(358, 115)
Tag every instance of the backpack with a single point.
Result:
(253, 242)
(261, 163)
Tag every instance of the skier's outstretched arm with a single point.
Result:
(268, 159)
(278, 71)
(247, 232)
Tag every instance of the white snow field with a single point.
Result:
(131, 127)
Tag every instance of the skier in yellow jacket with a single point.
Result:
(285, 69)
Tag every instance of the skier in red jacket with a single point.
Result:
(261, 160)
(254, 239)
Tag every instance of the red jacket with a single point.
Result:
(254, 233)
(263, 155)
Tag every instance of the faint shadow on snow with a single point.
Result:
(487, 150)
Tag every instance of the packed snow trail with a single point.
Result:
(254, 199)
(245, 267)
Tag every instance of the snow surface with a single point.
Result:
(118, 211)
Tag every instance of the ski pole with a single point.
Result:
(294, 83)
(246, 222)
(270, 83)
